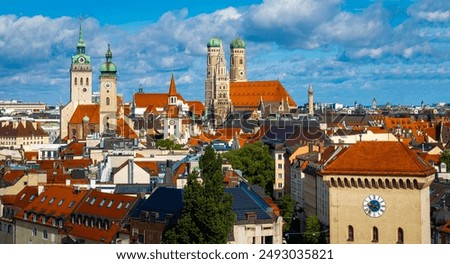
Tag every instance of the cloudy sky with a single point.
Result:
(396, 51)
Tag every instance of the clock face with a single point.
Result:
(374, 205)
(241, 73)
(81, 60)
(107, 85)
(171, 122)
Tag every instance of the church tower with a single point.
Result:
(217, 84)
(108, 94)
(310, 101)
(238, 68)
(81, 74)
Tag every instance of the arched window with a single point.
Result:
(87, 81)
(75, 81)
(10, 229)
(375, 234)
(350, 233)
(44, 234)
(81, 81)
(107, 101)
(400, 236)
(34, 232)
(241, 61)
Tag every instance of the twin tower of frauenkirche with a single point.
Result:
(217, 84)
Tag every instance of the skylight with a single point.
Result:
(120, 205)
(51, 200)
(102, 202)
(93, 200)
(43, 199)
(110, 203)
(61, 202)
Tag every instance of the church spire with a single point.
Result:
(81, 46)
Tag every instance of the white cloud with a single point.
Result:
(431, 11)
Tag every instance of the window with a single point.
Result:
(107, 101)
(350, 233)
(400, 236)
(280, 166)
(75, 81)
(10, 229)
(280, 156)
(120, 205)
(44, 234)
(51, 200)
(44, 219)
(34, 232)
(43, 199)
(34, 217)
(102, 202)
(61, 202)
(93, 200)
(127, 205)
(375, 234)
(81, 81)
(71, 204)
(280, 185)
(87, 81)
(280, 175)
(110, 203)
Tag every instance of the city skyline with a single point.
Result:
(394, 51)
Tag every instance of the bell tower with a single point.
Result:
(238, 68)
(81, 74)
(108, 94)
(217, 84)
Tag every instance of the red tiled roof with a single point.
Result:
(172, 111)
(149, 166)
(143, 100)
(94, 233)
(21, 129)
(248, 94)
(31, 155)
(92, 111)
(179, 171)
(196, 107)
(76, 148)
(124, 130)
(379, 158)
(106, 205)
(55, 202)
(21, 199)
(13, 175)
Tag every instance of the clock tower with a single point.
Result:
(108, 95)
(238, 68)
(81, 74)
(379, 193)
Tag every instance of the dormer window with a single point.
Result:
(34, 217)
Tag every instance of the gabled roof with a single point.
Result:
(92, 111)
(249, 94)
(143, 100)
(245, 200)
(106, 205)
(21, 129)
(22, 199)
(196, 107)
(124, 130)
(149, 166)
(379, 158)
(13, 175)
(55, 202)
(163, 201)
(75, 148)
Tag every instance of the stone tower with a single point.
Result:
(81, 75)
(238, 68)
(217, 84)
(310, 100)
(108, 94)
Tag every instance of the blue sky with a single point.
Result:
(396, 51)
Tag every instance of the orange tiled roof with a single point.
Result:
(22, 199)
(172, 111)
(248, 94)
(446, 228)
(143, 100)
(55, 202)
(76, 148)
(13, 175)
(94, 233)
(196, 107)
(179, 171)
(21, 129)
(124, 130)
(106, 205)
(92, 111)
(150, 166)
(276, 209)
(31, 155)
(172, 87)
(379, 158)
(427, 157)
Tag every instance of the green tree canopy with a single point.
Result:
(445, 157)
(312, 233)
(207, 216)
(169, 144)
(256, 164)
(287, 210)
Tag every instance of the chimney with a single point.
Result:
(40, 189)
(130, 171)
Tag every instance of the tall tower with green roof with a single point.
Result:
(81, 74)
(108, 94)
(217, 84)
(238, 68)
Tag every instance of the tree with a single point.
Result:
(169, 144)
(207, 216)
(287, 210)
(256, 164)
(312, 233)
(445, 157)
